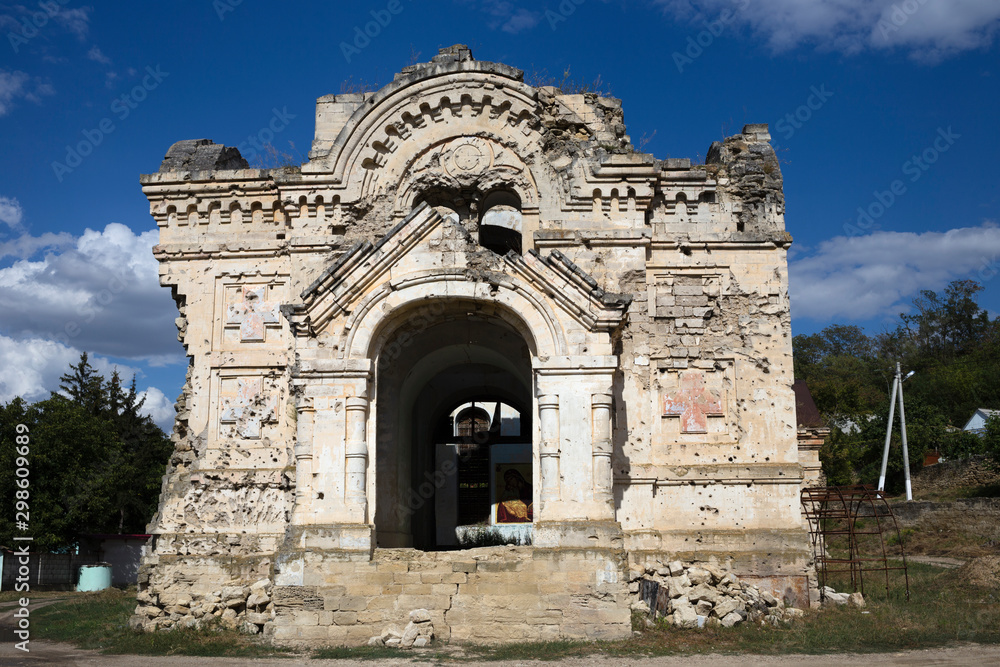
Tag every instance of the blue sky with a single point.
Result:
(876, 107)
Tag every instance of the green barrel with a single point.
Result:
(95, 577)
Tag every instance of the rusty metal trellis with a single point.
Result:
(833, 511)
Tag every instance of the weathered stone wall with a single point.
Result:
(496, 594)
(947, 476)
(651, 297)
(977, 516)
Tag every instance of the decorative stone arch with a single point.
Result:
(479, 111)
(494, 166)
(348, 314)
(390, 117)
(513, 301)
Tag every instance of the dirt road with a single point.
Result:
(50, 653)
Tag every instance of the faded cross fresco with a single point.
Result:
(692, 402)
(252, 313)
(249, 409)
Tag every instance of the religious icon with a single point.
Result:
(514, 498)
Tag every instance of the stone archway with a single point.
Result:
(462, 356)
(369, 313)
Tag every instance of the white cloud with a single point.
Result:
(26, 246)
(76, 20)
(32, 367)
(520, 20)
(928, 29)
(96, 55)
(11, 211)
(15, 85)
(11, 87)
(41, 90)
(876, 275)
(509, 18)
(159, 407)
(100, 294)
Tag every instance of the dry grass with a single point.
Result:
(982, 572)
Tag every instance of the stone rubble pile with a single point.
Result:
(419, 632)
(246, 608)
(830, 596)
(694, 595)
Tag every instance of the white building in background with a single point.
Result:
(977, 422)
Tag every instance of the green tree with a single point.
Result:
(85, 386)
(991, 438)
(840, 367)
(946, 326)
(953, 346)
(95, 462)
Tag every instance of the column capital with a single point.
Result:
(582, 364)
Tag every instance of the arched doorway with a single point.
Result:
(439, 359)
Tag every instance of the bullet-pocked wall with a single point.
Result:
(462, 238)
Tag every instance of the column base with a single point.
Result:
(578, 534)
(349, 541)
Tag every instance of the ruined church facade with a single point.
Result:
(476, 313)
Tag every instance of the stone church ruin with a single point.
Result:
(476, 316)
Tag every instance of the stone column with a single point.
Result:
(304, 454)
(601, 438)
(357, 457)
(548, 417)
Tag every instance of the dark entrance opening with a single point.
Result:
(453, 411)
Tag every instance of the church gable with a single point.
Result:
(425, 245)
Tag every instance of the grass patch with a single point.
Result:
(554, 650)
(11, 596)
(100, 621)
(951, 493)
(985, 491)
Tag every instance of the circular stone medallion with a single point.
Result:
(468, 156)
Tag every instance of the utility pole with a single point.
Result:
(897, 390)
